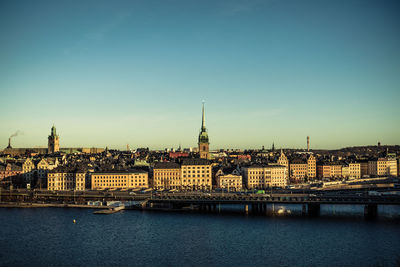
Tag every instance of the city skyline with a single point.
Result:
(135, 73)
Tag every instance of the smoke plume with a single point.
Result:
(18, 132)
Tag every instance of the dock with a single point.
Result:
(110, 210)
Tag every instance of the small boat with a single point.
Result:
(283, 211)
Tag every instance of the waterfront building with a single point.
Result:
(301, 168)
(120, 180)
(228, 178)
(264, 176)
(329, 170)
(66, 179)
(345, 171)
(383, 167)
(166, 175)
(364, 170)
(196, 174)
(43, 166)
(355, 170)
(54, 141)
(232, 182)
(203, 139)
(311, 167)
(298, 169)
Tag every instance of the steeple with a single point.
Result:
(54, 141)
(53, 131)
(203, 121)
(203, 137)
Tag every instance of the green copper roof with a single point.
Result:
(203, 136)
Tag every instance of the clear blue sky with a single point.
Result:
(111, 73)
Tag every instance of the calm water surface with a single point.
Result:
(48, 237)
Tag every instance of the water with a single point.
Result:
(48, 237)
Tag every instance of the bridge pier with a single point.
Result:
(371, 211)
(246, 209)
(304, 210)
(314, 209)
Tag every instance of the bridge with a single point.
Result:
(252, 203)
(258, 203)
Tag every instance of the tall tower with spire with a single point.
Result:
(203, 138)
(54, 141)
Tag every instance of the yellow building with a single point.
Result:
(329, 170)
(346, 171)
(383, 167)
(63, 179)
(263, 176)
(355, 170)
(311, 167)
(28, 170)
(166, 175)
(43, 166)
(196, 174)
(120, 180)
(231, 182)
(298, 169)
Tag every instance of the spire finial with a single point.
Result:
(203, 123)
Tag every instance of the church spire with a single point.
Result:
(203, 121)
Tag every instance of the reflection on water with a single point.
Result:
(48, 237)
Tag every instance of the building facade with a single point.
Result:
(166, 175)
(120, 180)
(329, 170)
(383, 167)
(28, 170)
(63, 179)
(231, 182)
(264, 176)
(196, 174)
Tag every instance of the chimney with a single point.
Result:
(9, 143)
(308, 144)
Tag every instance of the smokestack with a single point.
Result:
(308, 144)
(9, 143)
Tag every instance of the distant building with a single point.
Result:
(166, 175)
(196, 174)
(54, 141)
(231, 182)
(364, 170)
(64, 179)
(329, 170)
(283, 160)
(298, 169)
(264, 176)
(383, 167)
(175, 155)
(229, 178)
(28, 170)
(203, 139)
(120, 180)
(42, 168)
(9, 170)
